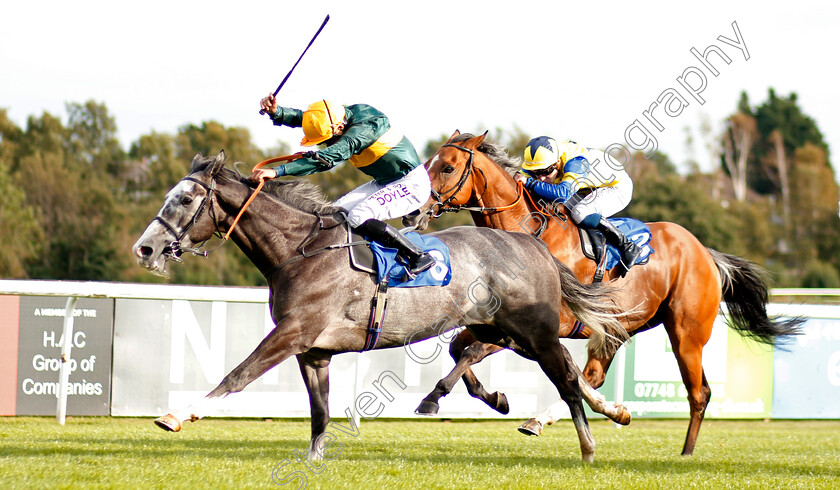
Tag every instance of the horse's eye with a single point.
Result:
(448, 169)
(186, 200)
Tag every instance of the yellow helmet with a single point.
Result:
(540, 153)
(320, 122)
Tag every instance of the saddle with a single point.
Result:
(594, 245)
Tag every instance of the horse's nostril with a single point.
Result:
(144, 252)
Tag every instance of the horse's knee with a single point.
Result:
(594, 374)
(460, 343)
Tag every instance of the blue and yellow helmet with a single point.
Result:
(540, 153)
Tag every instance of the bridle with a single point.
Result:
(174, 250)
(444, 206)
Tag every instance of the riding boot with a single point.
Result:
(407, 252)
(628, 249)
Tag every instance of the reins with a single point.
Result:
(175, 248)
(258, 166)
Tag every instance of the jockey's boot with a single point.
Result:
(628, 249)
(407, 252)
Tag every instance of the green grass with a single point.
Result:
(118, 452)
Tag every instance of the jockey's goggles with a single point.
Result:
(542, 172)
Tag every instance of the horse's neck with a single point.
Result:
(500, 191)
(527, 215)
(270, 232)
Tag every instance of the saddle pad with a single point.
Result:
(634, 230)
(438, 275)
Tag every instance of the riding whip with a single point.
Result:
(298, 61)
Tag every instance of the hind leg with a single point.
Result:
(466, 351)
(595, 370)
(687, 343)
(555, 365)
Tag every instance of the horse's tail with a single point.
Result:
(745, 293)
(593, 305)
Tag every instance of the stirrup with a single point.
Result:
(623, 260)
(422, 263)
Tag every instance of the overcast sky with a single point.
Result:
(580, 70)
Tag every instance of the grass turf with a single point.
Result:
(132, 452)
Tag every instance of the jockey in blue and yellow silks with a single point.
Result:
(591, 187)
(363, 136)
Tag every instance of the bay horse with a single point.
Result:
(321, 307)
(681, 287)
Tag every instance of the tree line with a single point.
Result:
(73, 201)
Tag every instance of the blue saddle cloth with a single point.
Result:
(634, 230)
(438, 275)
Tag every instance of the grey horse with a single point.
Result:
(505, 284)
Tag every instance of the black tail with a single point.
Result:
(745, 293)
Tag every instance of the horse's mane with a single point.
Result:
(496, 152)
(300, 194)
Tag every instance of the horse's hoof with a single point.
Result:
(531, 427)
(168, 422)
(502, 404)
(623, 414)
(427, 408)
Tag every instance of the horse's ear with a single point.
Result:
(218, 164)
(476, 141)
(454, 135)
(196, 160)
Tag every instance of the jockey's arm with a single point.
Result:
(303, 166)
(555, 192)
(575, 173)
(285, 116)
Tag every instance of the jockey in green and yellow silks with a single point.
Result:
(363, 136)
(590, 184)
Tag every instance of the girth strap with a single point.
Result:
(377, 314)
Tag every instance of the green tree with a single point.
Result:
(69, 176)
(91, 140)
(789, 164)
(211, 137)
(19, 225)
(661, 194)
